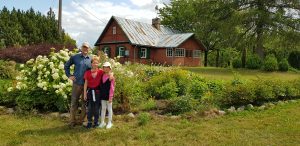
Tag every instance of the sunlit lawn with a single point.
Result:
(278, 126)
(228, 74)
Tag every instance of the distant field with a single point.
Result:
(228, 74)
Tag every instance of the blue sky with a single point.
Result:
(84, 20)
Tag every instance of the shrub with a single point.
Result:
(7, 69)
(198, 89)
(283, 65)
(143, 118)
(263, 90)
(181, 105)
(168, 85)
(294, 59)
(253, 62)
(33, 99)
(150, 104)
(270, 63)
(237, 63)
(238, 94)
(23, 54)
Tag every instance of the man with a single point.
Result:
(81, 62)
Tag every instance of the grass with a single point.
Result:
(228, 74)
(277, 126)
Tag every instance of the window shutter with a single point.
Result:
(148, 53)
(117, 51)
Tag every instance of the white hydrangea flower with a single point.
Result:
(45, 88)
(56, 91)
(9, 89)
(22, 66)
(65, 77)
(55, 76)
(61, 66)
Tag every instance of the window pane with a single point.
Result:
(196, 53)
(169, 52)
(179, 52)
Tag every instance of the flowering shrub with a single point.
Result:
(44, 76)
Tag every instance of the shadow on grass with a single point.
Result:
(54, 131)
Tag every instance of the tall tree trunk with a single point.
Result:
(217, 58)
(244, 51)
(259, 30)
(205, 57)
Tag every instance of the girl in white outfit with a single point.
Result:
(106, 95)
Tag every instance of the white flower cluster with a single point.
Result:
(46, 73)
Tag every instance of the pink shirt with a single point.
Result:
(112, 85)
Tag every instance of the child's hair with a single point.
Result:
(95, 58)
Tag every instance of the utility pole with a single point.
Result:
(59, 17)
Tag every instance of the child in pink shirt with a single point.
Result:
(106, 95)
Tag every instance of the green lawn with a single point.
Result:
(277, 126)
(228, 74)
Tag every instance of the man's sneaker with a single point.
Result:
(102, 125)
(89, 125)
(109, 125)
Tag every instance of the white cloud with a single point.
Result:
(81, 19)
(141, 3)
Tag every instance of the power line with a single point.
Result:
(88, 11)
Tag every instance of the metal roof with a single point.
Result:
(147, 35)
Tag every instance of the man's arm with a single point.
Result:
(67, 68)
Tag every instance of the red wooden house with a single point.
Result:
(139, 42)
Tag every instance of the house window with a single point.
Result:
(196, 53)
(143, 52)
(114, 30)
(121, 51)
(106, 51)
(169, 52)
(188, 53)
(179, 52)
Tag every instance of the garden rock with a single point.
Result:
(293, 101)
(65, 115)
(241, 108)
(250, 106)
(175, 117)
(280, 103)
(231, 109)
(54, 115)
(221, 113)
(131, 115)
(262, 107)
(10, 111)
(2, 108)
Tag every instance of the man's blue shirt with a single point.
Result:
(81, 64)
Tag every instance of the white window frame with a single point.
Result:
(196, 53)
(179, 52)
(169, 52)
(144, 52)
(106, 50)
(120, 50)
(114, 30)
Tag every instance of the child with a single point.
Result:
(91, 92)
(106, 95)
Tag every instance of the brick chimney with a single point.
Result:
(156, 23)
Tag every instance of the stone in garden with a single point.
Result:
(280, 103)
(175, 117)
(2, 108)
(241, 108)
(221, 112)
(131, 115)
(293, 101)
(250, 106)
(10, 111)
(231, 109)
(54, 115)
(65, 115)
(262, 107)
